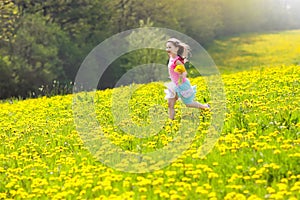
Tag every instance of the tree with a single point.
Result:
(34, 55)
(45, 41)
(142, 62)
(292, 7)
(199, 19)
(8, 17)
(127, 14)
(242, 16)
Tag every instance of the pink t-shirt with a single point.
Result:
(172, 65)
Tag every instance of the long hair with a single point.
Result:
(184, 50)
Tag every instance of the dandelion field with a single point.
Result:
(257, 155)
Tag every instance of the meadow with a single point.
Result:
(257, 155)
(253, 50)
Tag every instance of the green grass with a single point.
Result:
(252, 51)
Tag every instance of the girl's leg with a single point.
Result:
(198, 105)
(171, 104)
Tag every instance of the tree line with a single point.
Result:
(43, 43)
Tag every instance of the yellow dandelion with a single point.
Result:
(164, 195)
(282, 186)
(239, 167)
(271, 190)
(201, 190)
(143, 189)
(180, 69)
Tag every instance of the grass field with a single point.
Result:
(257, 155)
(250, 51)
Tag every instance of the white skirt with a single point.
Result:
(170, 91)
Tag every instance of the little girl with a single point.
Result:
(180, 86)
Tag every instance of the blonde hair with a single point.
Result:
(184, 50)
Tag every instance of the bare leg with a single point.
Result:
(196, 104)
(171, 104)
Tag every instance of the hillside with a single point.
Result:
(256, 50)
